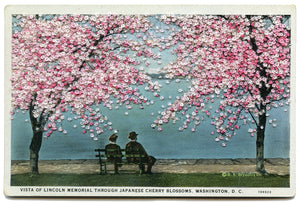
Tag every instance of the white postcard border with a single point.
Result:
(37, 191)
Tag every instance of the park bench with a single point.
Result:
(105, 159)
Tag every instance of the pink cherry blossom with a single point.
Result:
(242, 60)
(70, 63)
(68, 60)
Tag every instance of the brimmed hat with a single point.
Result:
(113, 138)
(132, 135)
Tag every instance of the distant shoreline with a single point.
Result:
(238, 161)
(279, 166)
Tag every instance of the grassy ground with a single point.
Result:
(157, 180)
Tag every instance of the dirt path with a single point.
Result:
(275, 166)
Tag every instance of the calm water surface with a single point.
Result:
(167, 144)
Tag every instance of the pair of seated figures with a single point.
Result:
(132, 147)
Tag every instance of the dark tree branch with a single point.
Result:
(253, 118)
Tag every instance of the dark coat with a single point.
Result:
(113, 149)
(134, 147)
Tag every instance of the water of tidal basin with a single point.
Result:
(167, 144)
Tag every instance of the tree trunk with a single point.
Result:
(264, 91)
(34, 148)
(260, 141)
(37, 125)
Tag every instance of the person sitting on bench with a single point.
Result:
(113, 149)
(133, 147)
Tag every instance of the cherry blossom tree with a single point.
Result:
(69, 63)
(242, 62)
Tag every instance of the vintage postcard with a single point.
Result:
(150, 101)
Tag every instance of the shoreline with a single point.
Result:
(278, 166)
(238, 161)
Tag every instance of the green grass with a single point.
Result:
(157, 180)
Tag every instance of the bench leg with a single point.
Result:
(116, 168)
(142, 168)
(101, 170)
(105, 170)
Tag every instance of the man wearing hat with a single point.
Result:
(113, 149)
(133, 147)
